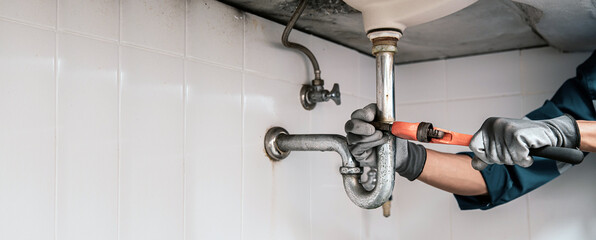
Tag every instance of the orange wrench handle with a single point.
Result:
(405, 130)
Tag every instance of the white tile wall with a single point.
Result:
(376, 226)
(27, 132)
(368, 89)
(151, 143)
(508, 221)
(213, 158)
(420, 82)
(434, 112)
(38, 12)
(484, 75)
(467, 115)
(543, 70)
(87, 163)
(530, 102)
(97, 18)
(215, 32)
(564, 208)
(154, 24)
(150, 126)
(413, 221)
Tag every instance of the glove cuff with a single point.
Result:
(412, 164)
(567, 127)
(578, 137)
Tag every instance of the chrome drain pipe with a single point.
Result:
(384, 49)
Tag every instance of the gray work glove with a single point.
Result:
(508, 141)
(363, 138)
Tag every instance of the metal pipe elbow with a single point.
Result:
(384, 184)
(279, 144)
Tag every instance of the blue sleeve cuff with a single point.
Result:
(506, 183)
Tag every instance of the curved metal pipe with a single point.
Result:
(317, 142)
(286, 34)
(349, 170)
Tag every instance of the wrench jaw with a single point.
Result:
(435, 133)
(426, 132)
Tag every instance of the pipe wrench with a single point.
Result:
(427, 133)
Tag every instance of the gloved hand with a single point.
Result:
(363, 138)
(508, 141)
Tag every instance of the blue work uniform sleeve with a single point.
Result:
(506, 183)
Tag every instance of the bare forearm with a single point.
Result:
(587, 130)
(452, 173)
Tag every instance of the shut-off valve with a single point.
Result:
(310, 95)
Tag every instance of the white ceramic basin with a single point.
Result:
(399, 14)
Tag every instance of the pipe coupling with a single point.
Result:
(384, 41)
(384, 48)
(387, 33)
(350, 170)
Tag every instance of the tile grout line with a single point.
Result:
(242, 113)
(310, 130)
(310, 185)
(119, 157)
(528, 216)
(150, 49)
(521, 86)
(521, 83)
(184, 122)
(94, 37)
(485, 97)
(126, 44)
(450, 220)
(449, 204)
(56, 124)
(90, 36)
(29, 24)
(221, 65)
(445, 83)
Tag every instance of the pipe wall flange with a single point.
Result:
(306, 104)
(271, 148)
(350, 170)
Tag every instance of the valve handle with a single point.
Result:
(335, 95)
